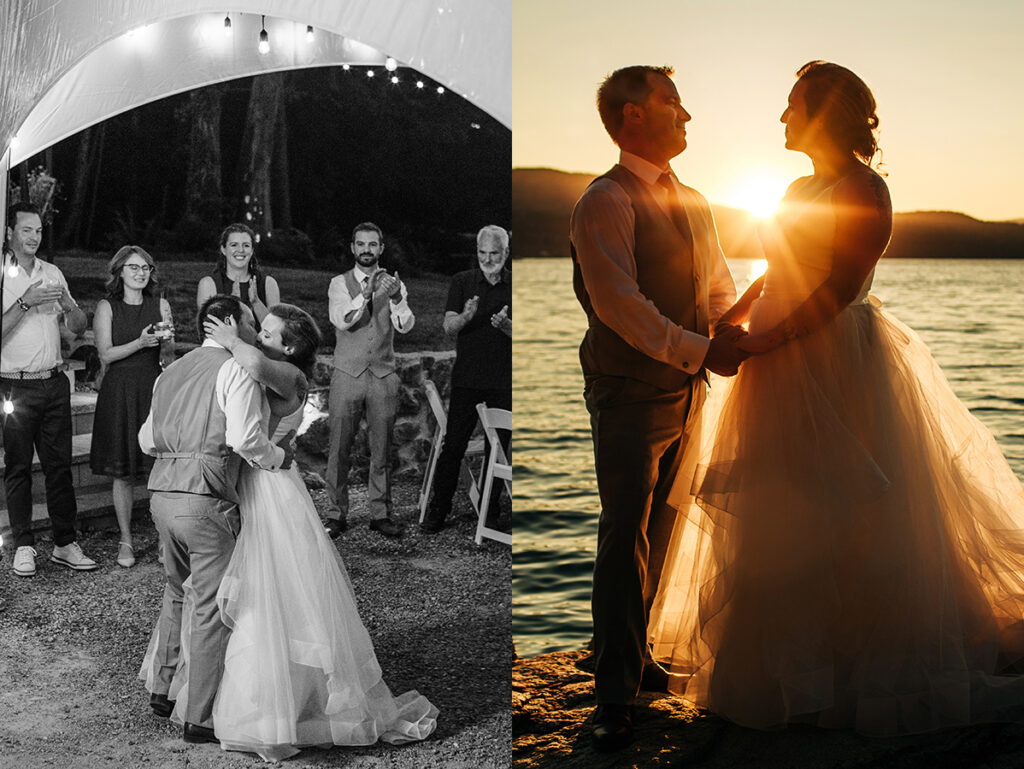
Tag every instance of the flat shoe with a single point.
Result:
(125, 555)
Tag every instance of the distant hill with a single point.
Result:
(542, 200)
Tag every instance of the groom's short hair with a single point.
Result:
(628, 85)
(219, 306)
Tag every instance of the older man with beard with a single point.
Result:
(479, 315)
(366, 306)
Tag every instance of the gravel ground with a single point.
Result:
(436, 607)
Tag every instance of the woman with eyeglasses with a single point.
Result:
(134, 335)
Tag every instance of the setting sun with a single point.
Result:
(759, 193)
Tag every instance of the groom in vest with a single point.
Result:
(366, 306)
(207, 415)
(651, 277)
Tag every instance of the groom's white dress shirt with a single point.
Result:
(246, 417)
(602, 231)
(340, 304)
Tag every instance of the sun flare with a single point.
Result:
(759, 193)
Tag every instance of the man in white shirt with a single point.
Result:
(35, 299)
(207, 415)
(650, 274)
(366, 306)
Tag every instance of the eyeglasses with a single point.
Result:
(139, 267)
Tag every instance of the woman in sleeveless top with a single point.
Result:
(238, 273)
(299, 668)
(132, 348)
(852, 555)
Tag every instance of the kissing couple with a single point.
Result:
(259, 645)
(832, 539)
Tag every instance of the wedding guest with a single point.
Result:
(478, 315)
(238, 273)
(35, 300)
(366, 306)
(133, 347)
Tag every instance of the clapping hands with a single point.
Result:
(501, 321)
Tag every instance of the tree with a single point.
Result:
(257, 152)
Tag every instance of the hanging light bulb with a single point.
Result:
(419, 83)
(309, 33)
(440, 89)
(227, 25)
(390, 64)
(346, 67)
(8, 405)
(370, 73)
(394, 79)
(264, 46)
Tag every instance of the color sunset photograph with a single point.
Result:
(769, 434)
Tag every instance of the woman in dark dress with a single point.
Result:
(238, 273)
(132, 345)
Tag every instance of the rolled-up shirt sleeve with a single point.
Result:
(340, 304)
(401, 314)
(242, 400)
(602, 232)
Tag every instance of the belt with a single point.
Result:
(31, 374)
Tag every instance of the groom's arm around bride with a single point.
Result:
(650, 274)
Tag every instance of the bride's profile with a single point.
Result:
(300, 668)
(850, 548)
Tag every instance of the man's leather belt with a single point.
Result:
(31, 374)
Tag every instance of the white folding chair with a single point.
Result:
(475, 448)
(497, 466)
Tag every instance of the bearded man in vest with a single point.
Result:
(366, 306)
(650, 274)
(207, 415)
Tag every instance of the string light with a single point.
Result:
(390, 64)
(8, 405)
(440, 89)
(264, 46)
(370, 73)
(309, 33)
(394, 79)
(419, 83)
(227, 25)
(346, 67)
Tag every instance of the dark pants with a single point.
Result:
(41, 422)
(638, 433)
(462, 418)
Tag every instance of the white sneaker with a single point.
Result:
(71, 555)
(25, 561)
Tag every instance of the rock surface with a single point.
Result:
(553, 696)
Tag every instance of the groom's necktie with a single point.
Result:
(369, 302)
(676, 211)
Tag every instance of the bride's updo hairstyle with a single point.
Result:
(300, 332)
(848, 103)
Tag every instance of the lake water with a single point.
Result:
(969, 312)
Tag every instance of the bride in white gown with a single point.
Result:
(300, 669)
(852, 554)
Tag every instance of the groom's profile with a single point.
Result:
(206, 414)
(651, 277)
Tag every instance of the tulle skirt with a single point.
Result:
(300, 669)
(850, 545)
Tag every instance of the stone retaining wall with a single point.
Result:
(414, 424)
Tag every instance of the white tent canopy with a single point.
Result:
(69, 64)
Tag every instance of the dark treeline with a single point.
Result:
(307, 154)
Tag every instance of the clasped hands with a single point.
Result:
(382, 284)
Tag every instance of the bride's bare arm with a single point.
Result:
(863, 226)
(738, 313)
(280, 376)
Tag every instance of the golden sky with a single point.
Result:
(948, 77)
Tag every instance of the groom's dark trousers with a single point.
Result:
(638, 438)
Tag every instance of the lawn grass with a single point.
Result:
(307, 288)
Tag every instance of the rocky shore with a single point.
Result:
(553, 695)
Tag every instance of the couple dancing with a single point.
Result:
(259, 645)
(833, 539)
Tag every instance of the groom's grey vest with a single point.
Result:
(189, 429)
(368, 343)
(664, 273)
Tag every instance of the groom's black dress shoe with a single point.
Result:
(385, 527)
(161, 705)
(334, 527)
(197, 733)
(612, 727)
